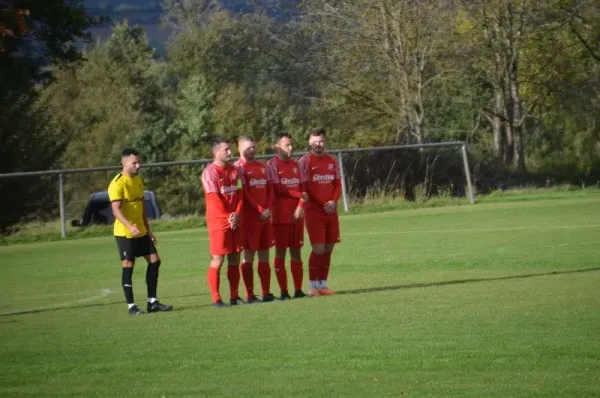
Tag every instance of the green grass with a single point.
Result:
(376, 201)
(379, 201)
(50, 231)
(497, 299)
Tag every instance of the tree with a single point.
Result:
(106, 101)
(32, 35)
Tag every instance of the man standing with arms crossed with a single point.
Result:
(132, 231)
(257, 235)
(320, 174)
(288, 215)
(223, 193)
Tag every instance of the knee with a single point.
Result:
(263, 255)
(318, 249)
(296, 256)
(217, 261)
(280, 254)
(127, 264)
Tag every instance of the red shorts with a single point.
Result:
(225, 242)
(289, 235)
(257, 236)
(322, 228)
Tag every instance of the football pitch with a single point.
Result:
(488, 300)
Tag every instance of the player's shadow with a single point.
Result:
(58, 308)
(459, 281)
(89, 305)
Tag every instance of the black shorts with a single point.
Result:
(131, 248)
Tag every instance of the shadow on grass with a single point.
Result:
(460, 281)
(352, 291)
(90, 305)
(58, 308)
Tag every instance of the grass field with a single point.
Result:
(496, 299)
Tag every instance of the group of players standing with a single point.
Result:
(251, 206)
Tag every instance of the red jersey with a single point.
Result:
(321, 179)
(223, 192)
(285, 176)
(258, 190)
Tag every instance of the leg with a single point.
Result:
(316, 262)
(281, 273)
(297, 271)
(318, 248)
(264, 272)
(315, 226)
(127, 282)
(233, 275)
(281, 239)
(152, 283)
(325, 270)
(214, 278)
(333, 237)
(248, 274)
(221, 243)
(145, 248)
(280, 254)
(127, 254)
(246, 268)
(153, 261)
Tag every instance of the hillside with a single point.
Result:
(149, 11)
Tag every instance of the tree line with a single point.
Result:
(519, 80)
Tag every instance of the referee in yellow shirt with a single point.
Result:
(132, 232)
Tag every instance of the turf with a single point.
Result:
(497, 299)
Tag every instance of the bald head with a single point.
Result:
(246, 147)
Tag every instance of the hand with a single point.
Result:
(329, 207)
(265, 215)
(234, 219)
(304, 197)
(298, 213)
(134, 230)
(152, 238)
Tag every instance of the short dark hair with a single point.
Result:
(128, 152)
(318, 131)
(218, 141)
(283, 134)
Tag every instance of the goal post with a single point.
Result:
(453, 144)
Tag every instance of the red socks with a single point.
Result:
(281, 274)
(297, 274)
(318, 266)
(213, 283)
(315, 265)
(264, 273)
(248, 276)
(233, 275)
(325, 266)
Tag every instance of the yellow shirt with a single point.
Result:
(130, 191)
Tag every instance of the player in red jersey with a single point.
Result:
(223, 193)
(288, 215)
(320, 174)
(257, 235)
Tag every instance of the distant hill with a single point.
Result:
(136, 11)
(147, 13)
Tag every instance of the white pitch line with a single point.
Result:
(472, 230)
(103, 293)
